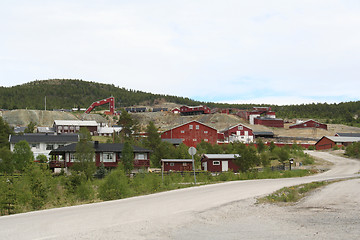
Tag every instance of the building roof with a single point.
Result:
(44, 138)
(300, 123)
(109, 130)
(263, 133)
(220, 156)
(99, 147)
(227, 129)
(348, 134)
(176, 160)
(75, 123)
(173, 140)
(341, 139)
(189, 123)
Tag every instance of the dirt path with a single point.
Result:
(218, 211)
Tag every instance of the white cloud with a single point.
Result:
(208, 50)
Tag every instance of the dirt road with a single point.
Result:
(219, 211)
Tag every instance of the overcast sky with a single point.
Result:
(237, 51)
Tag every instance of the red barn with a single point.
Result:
(219, 162)
(192, 133)
(187, 110)
(328, 142)
(309, 124)
(176, 165)
(239, 132)
(269, 122)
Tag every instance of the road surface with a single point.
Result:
(218, 211)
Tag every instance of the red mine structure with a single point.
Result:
(110, 100)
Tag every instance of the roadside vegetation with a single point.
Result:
(292, 194)
(353, 150)
(26, 185)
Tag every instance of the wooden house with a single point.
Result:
(308, 124)
(219, 162)
(192, 133)
(328, 142)
(238, 133)
(107, 153)
(178, 165)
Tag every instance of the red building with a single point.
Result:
(187, 110)
(309, 124)
(219, 162)
(176, 165)
(73, 126)
(192, 133)
(328, 142)
(239, 132)
(107, 153)
(269, 122)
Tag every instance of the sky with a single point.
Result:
(232, 51)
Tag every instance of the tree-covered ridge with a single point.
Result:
(67, 93)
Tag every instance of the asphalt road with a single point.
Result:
(157, 216)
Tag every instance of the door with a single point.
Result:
(224, 166)
(205, 166)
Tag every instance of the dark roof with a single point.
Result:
(99, 147)
(44, 138)
(348, 134)
(172, 140)
(263, 133)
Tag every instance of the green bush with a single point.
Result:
(115, 186)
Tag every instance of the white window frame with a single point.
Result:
(240, 128)
(72, 157)
(197, 127)
(108, 157)
(140, 156)
(190, 126)
(182, 131)
(172, 164)
(206, 132)
(216, 163)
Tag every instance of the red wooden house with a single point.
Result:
(190, 110)
(328, 142)
(219, 162)
(176, 165)
(107, 153)
(309, 124)
(192, 133)
(269, 122)
(239, 132)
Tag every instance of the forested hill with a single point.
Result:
(63, 93)
(66, 93)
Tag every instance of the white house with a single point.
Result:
(43, 143)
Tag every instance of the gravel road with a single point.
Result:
(218, 211)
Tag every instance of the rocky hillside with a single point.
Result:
(166, 120)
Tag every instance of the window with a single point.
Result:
(140, 156)
(205, 132)
(216, 162)
(72, 157)
(71, 128)
(108, 157)
(60, 127)
(49, 147)
(184, 164)
(305, 125)
(197, 127)
(77, 128)
(194, 140)
(66, 127)
(172, 164)
(60, 145)
(190, 126)
(206, 140)
(240, 127)
(33, 145)
(182, 131)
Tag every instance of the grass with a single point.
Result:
(292, 194)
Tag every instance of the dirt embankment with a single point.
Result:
(43, 118)
(167, 120)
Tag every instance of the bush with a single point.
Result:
(115, 186)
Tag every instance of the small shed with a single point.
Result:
(219, 162)
(176, 165)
